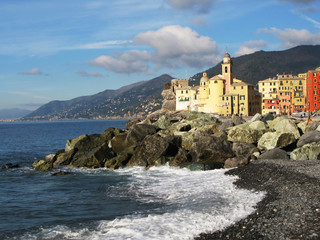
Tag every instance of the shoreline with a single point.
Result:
(291, 208)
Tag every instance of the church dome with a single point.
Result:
(226, 55)
(204, 77)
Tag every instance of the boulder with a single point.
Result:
(256, 117)
(163, 122)
(225, 125)
(309, 137)
(258, 125)
(271, 140)
(236, 120)
(187, 140)
(121, 159)
(236, 162)
(245, 150)
(267, 117)
(119, 142)
(42, 166)
(138, 132)
(313, 126)
(72, 142)
(93, 157)
(303, 126)
(169, 100)
(308, 151)
(181, 159)
(287, 126)
(272, 123)
(243, 133)
(275, 153)
(150, 151)
(9, 166)
(210, 149)
(132, 122)
(64, 158)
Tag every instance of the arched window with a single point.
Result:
(226, 69)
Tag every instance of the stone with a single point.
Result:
(64, 158)
(309, 137)
(236, 162)
(138, 132)
(93, 157)
(271, 140)
(267, 117)
(256, 117)
(225, 125)
(287, 126)
(187, 140)
(244, 149)
(9, 166)
(61, 173)
(120, 160)
(152, 148)
(42, 166)
(163, 122)
(132, 122)
(119, 142)
(236, 120)
(258, 125)
(72, 142)
(272, 123)
(243, 133)
(275, 153)
(169, 100)
(308, 151)
(210, 149)
(303, 126)
(313, 125)
(181, 159)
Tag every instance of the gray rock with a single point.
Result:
(210, 149)
(313, 126)
(163, 122)
(243, 133)
(275, 153)
(309, 137)
(256, 117)
(244, 149)
(308, 151)
(138, 132)
(271, 140)
(236, 162)
(287, 126)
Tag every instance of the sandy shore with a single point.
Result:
(291, 208)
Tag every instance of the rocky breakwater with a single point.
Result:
(189, 139)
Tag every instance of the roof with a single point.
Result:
(226, 55)
(217, 77)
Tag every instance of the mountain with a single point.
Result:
(139, 99)
(13, 113)
(132, 100)
(261, 65)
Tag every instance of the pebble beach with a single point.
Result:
(291, 208)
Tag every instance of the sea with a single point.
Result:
(131, 203)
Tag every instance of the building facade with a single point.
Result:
(313, 89)
(222, 94)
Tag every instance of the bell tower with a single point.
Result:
(227, 70)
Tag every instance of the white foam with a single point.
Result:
(197, 202)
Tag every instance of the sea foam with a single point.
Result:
(195, 202)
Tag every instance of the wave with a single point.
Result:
(192, 202)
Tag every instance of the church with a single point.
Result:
(222, 94)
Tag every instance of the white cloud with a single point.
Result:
(250, 47)
(171, 46)
(128, 62)
(97, 45)
(293, 37)
(86, 74)
(33, 71)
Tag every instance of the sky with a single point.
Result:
(59, 50)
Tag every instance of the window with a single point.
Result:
(300, 82)
(227, 98)
(242, 97)
(181, 92)
(226, 69)
(241, 87)
(315, 80)
(263, 84)
(215, 81)
(187, 91)
(234, 88)
(222, 98)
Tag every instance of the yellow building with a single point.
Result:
(284, 94)
(222, 94)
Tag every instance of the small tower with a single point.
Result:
(227, 71)
(204, 80)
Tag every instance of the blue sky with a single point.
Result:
(58, 50)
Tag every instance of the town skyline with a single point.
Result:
(61, 50)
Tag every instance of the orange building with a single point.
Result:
(313, 89)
